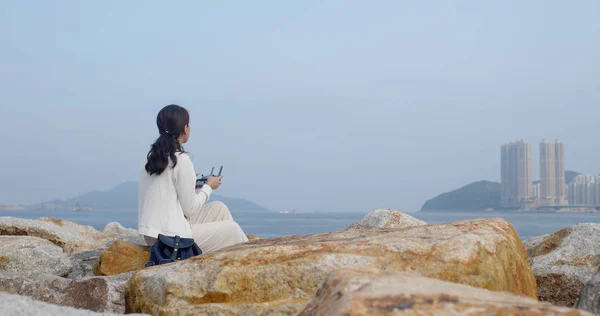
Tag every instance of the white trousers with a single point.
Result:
(213, 228)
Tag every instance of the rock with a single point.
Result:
(81, 229)
(118, 229)
(280, 275)
(99, 294)
(84, 263)
(31, 256)
(386, 219)
(122, 257)
(564, 261)
(252, 237)
(125, 234)
(349, 292)
(589, 300)
(71, 237)
(16, 305)
(111, 232)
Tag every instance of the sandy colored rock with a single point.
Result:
(252, 237)
(361, 293)
(280, 275)
(386, 219)
(122, 257)
(81, 229)
(31, 256)
(71, 237)
(99, 294)
(564, 261)
(118, 229)
(123, 233)
(16, 305)
(589, 300)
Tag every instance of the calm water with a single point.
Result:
(274, 224)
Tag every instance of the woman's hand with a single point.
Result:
(214, 182)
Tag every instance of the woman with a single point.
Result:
(168, 203)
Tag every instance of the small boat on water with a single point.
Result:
(79, 208)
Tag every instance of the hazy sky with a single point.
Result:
(313, 105)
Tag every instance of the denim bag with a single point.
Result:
(168, 249)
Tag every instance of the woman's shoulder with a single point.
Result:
(183, 157)
(182, 154)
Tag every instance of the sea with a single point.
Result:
(268, 224)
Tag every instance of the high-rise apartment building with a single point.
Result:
(585, 190)
(561, 185)
(516, 174)
(552, 173)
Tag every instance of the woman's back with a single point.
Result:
(159, 209)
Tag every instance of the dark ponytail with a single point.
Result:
(171, 122)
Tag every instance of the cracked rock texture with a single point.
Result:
(564, 261)
(281, 275)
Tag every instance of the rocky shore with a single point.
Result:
(389, 263)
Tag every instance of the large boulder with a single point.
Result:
(31, 256)
(111, 231)
(122, 257)
(351, 292)
(16, 305)
(386, 219)
(71, 237)
(564, 261)
(280, 275)
(589, 300)
(99, 294)
(81, 229)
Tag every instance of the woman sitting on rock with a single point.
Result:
(168, 203)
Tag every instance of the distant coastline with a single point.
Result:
(485, 196)
(44, 206)
(503, 210)
(13, 208)
(122, 196)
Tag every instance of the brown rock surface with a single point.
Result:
(358, 293)
(122, 257)
(386, 219)
(99, 294)
(564, 261)
(16, 305)
(280, 275)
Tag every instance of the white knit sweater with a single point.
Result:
(164, 199)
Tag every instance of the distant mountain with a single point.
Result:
(477, 196)
(570, 175)
(124, 196)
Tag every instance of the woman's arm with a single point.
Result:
(185, 183)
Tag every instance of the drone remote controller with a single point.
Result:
(202, 180)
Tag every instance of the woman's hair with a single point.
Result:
(171, 122)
